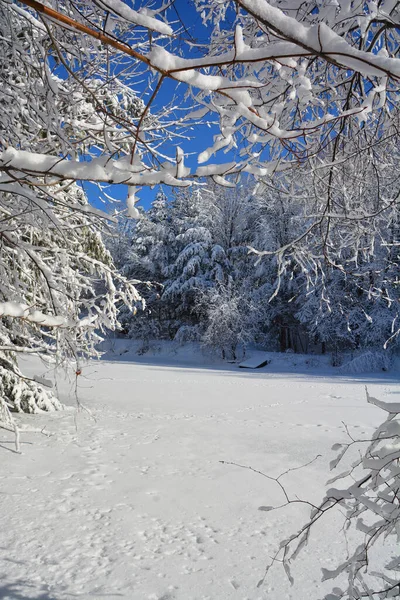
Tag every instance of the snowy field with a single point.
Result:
(133, 503)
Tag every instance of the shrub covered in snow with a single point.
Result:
(368, 362)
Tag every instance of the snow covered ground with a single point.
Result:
(133, 503)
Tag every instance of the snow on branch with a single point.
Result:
(118, 8)
(262, 75)
(97, 170)
(321, 40)
(144, 18)
(16, 310)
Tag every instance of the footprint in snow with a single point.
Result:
(234, 584)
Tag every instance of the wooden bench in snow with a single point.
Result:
(256, 361)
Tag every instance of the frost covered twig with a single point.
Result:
(277, 480)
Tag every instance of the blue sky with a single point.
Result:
(185, 11)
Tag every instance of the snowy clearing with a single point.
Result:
(135, 504)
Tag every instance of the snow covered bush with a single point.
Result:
(228, 322)
(188, 333)
(21, 394)
(368, 362)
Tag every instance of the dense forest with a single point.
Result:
(229, 267)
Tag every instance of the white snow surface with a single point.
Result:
(132, 502)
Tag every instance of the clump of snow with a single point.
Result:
(22, 311)
(144, 17)
(17, 310)
(132, 199)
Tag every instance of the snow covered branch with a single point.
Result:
(277, 83)
(17, 310)
(370, 504)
